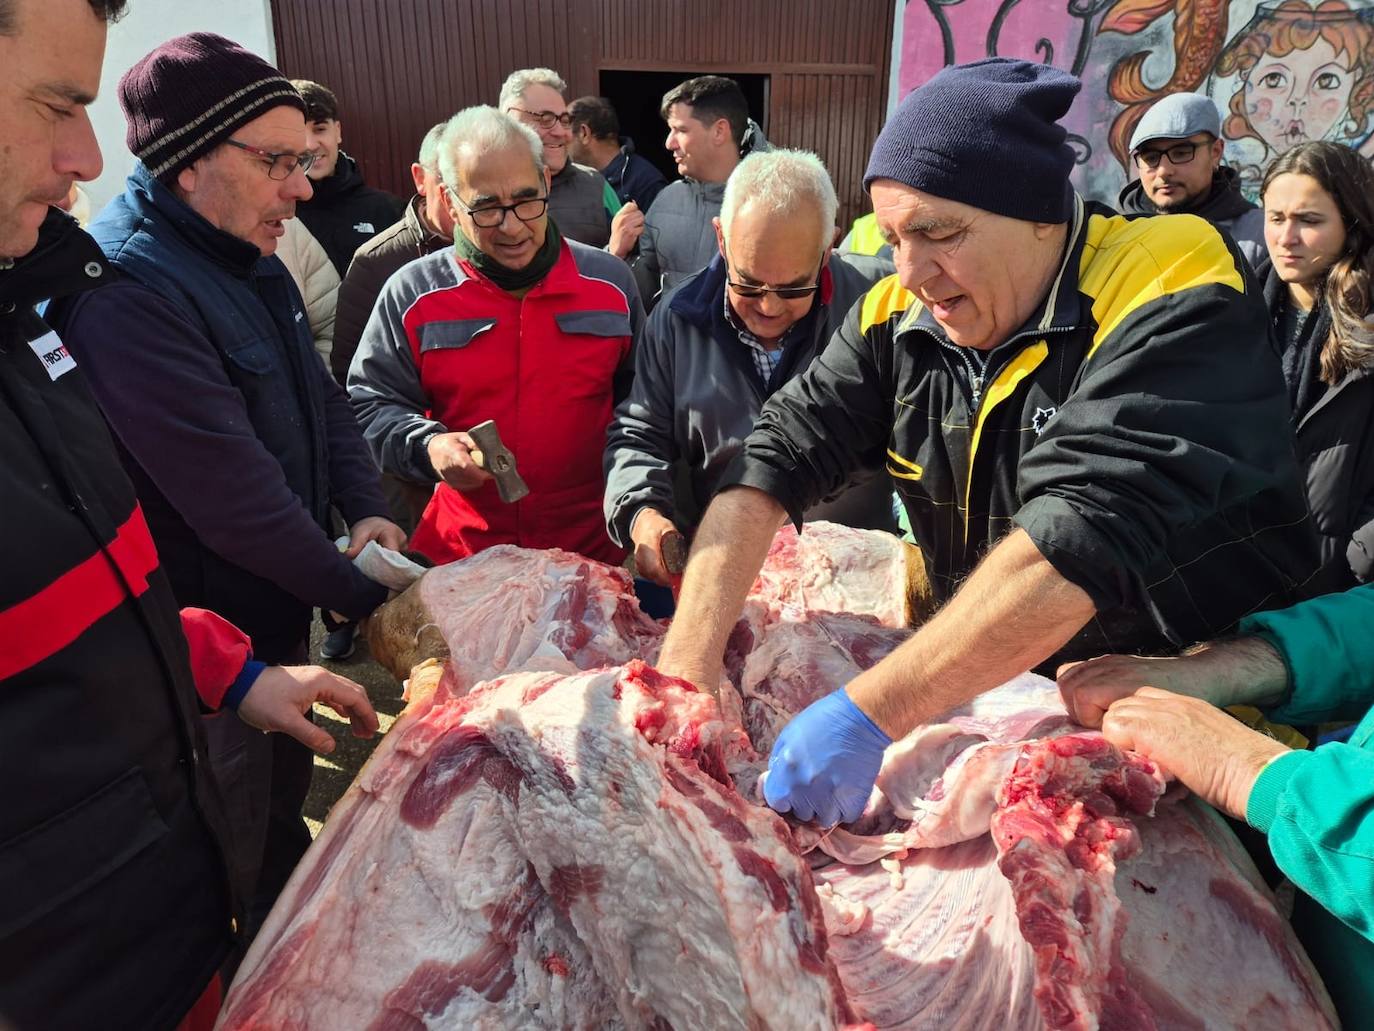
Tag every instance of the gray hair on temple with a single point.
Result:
(428, 158)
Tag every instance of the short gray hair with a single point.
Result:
(481, 130)
(513, 89)
(428, 158)
(780, 180)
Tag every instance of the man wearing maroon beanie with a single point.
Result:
(236, 437)
(1080, 412)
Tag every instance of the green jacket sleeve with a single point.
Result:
(1328, 646)
(1318, 810)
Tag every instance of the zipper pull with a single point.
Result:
(977, 390)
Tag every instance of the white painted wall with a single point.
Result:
(148, 23)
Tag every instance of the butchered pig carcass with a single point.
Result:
(554, 835)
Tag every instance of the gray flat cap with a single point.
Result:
(1177, 117)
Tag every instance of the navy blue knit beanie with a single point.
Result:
(986, 134)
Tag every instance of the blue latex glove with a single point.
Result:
(825, 761)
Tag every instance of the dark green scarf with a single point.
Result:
(507, 279)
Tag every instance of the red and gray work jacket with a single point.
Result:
(446, 349)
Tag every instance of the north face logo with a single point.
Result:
(1041, 417)
(363, 227)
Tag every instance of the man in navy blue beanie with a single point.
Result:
(1079, 411)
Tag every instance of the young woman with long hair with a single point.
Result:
(1319, 228)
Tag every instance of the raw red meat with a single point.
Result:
(565, 841)
(549, 851)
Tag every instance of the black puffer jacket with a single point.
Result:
(1335, 443)
(345, 212)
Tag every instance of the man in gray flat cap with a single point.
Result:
(1177, 149)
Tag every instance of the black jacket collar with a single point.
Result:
(65, 261)
(1224, 200)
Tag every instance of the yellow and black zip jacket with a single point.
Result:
(1137, 428)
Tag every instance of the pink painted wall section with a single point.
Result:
(1279, 73)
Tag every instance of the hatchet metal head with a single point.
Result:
(493, 456)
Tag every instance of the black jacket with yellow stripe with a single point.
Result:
(1136, 428)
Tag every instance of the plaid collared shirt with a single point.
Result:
(766, 362)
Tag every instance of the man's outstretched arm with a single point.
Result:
(726, 557)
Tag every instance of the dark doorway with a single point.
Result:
(637, 95)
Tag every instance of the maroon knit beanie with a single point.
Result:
(190, 94)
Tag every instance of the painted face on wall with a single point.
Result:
(1303, 95)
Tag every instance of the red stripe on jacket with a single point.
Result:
(42, 625)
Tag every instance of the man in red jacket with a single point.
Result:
(513, 324)
(117, 904)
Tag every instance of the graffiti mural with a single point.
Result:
(1279, 73)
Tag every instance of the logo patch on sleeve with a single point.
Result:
(53, 353)
(1041, 419)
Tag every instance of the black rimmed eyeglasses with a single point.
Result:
(1179, 154)
(279, 166)
(545, 119)
(526, 210)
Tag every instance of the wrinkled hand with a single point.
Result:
(451, 456)
(1089, 688)
(825, 761)
(647, 533)
(374, 528)
(1217, 757)
(282, 695)
(626, 228)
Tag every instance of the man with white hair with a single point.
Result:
(514, 324)
(581, 201)
(721, 343)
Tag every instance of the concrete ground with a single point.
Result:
(334, 773)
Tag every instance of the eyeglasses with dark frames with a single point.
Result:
(1179, 154)
(785, 293)
(279, 166)
(545, 119)
(526, 210)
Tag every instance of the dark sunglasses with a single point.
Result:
(786, 293)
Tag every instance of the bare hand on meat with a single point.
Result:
(647, 533)
(1242, 671)
(1217, 757)
(1090, 687)
(282, 695)
(825, 761)
(451, 454)
(374, 528)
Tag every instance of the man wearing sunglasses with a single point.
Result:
(722, 343)
(1177, 149)
(581, 201)
(236, 437)
(514, 324)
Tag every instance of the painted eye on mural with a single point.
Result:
(1273, 80)
(1328, 81)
